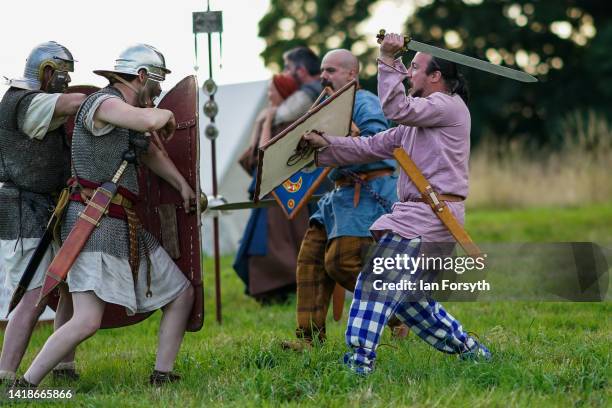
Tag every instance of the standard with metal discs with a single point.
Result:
(211, 131)
(211, 108)
(209, 87)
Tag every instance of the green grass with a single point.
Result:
(545, 354)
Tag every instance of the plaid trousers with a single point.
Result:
(371, 309)
(320, 264)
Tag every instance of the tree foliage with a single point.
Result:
(564, 44)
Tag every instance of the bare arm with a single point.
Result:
(120, 114)
(68, 104)
(161, 165)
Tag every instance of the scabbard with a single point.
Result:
(439, 207)
(87, 220)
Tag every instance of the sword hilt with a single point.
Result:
(381, 36)
(128, 157)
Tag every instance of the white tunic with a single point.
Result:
(110, 277)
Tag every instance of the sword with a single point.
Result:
(245, 205)
(88, 219)
(38, 254)
(410, 44)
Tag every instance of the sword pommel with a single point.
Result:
(129, 156)
(381, 36)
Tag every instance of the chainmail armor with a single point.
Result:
(110, 237)
(97, 158)
(30, 170)
(34, 213)
(39, 166)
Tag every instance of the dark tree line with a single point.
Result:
(565, 44)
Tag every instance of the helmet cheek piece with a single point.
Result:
(59, 82)
(60, 79)
(57, 64)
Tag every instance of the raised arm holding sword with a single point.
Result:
(434, 128)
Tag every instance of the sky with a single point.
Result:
(97, 31)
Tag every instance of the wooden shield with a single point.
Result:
(160, 208)
(333, 116)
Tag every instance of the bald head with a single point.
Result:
(343, 58)
(338, 68)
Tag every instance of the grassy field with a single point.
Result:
(545, 354)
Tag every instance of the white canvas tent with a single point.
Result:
(239, 105)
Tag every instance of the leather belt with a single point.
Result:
(118, 199)
(121, 204)
(365, 177)
(441, 197)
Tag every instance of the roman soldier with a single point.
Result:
(120, 262)
(34, 166)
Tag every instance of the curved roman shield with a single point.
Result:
(161, 208)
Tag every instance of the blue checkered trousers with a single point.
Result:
(371, 308)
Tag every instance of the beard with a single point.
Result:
(146, 94)
(325, 82)
(58, 83)
(416, 93)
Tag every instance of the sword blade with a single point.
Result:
(471, 62)
(65, 258)
(245, 205)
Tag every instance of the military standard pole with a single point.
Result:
(211, 22)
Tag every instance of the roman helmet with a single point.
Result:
(48, 54)
(137, 57)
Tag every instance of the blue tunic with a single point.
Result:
(335, 209)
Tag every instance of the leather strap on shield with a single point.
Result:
(438, 206)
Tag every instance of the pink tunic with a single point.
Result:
(435, 131)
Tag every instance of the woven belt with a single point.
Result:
(441, 197)
(365, 176)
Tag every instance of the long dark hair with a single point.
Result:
(454, 80)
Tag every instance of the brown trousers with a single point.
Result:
(320, 264)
